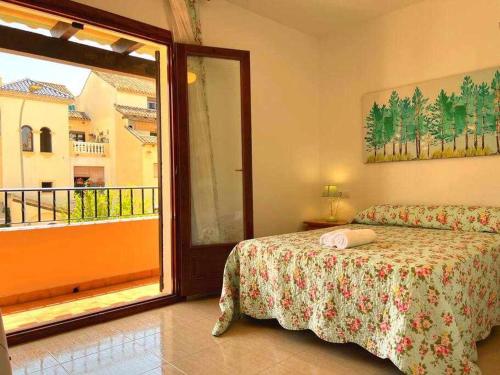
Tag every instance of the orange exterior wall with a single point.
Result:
(48, 258)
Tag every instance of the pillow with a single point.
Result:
(462, 218)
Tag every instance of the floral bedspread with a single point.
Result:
(420, 297)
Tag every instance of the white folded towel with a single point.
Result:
(328, 239)
(346, 238)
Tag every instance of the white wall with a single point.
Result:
(428, 40)
(284, 69)
(153, 12)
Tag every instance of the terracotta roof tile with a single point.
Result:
(32, 87)
(78, 115)
(146, 139)
(130, 84)
(136, 113)
(58, 87)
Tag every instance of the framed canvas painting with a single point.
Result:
(456, 116)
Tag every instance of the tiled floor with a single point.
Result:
(56, 308)
(176, 340)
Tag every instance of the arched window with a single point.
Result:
(27, 138)
(45, 140)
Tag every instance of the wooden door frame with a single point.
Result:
(97, 17)
(183, 204)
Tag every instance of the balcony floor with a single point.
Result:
(52, 309)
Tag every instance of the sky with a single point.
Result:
(14, 67)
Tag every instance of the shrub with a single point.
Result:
(87, 198)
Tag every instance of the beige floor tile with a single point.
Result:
(130, 358)
(350, 356)
(193, 366)
(82, 344)
(30, 358)
(166, 369)
(138, 326)
(165, 350)
(297, 366)
(228, 359)
(489, 357)
(56, 370)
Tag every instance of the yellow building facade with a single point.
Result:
(123, 109)
(105, 137)
(35, 107)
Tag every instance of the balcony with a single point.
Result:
(79, 148)
(69, 251)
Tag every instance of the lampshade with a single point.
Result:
(330, 191)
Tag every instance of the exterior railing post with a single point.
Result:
(109, 210)
(39, 207)
(153, 200)
(22, 208)
(69, 206)
(121, 210)
(54, 218)
(142, 200)
(6, 209)
(95, 203)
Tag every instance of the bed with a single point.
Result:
(421, 295)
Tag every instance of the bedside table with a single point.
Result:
(321, 223)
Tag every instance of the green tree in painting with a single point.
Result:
(418, 102)
(495, 86)
(441, 119)
(407, 124)
(396, 121)
(388, 129)
(468, 98)
(485, 113)
(459, 118)
(374, 127)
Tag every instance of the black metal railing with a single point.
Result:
(25, 206)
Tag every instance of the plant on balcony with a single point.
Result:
(84, 208)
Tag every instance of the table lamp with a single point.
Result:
(331, 192)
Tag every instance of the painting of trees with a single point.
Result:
(453, 123)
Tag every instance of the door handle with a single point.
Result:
(238, 170)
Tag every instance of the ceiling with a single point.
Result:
(319, 17)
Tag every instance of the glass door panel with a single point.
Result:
(214, 103)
